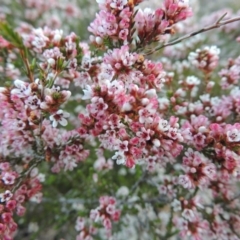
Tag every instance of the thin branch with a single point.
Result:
(27, 65)
(223, 204)
(25, 173)
(64, 200)
(141, 179)
(134, 187)
(235, 197)
(222, 17)
(217, 24)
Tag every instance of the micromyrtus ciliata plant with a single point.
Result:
(130, 132)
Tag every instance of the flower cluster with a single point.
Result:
(106, 212)
(117, 22)
(230, 75)
(205, 59)
(86, 231)
(17, 192)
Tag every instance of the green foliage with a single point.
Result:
(10, 35)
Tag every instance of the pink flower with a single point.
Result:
(210, 171)
(107, 223)
(4, 43)
(11, 204)
(123, 146)
(20, 210)
(123, 34)
(6, 217)
(2, 228)
(177, 10)
(185, 181)
(110, 209)
(9, 178)
(205, 59)
(4, 166)
(145, 134)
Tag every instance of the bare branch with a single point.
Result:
(219, 23)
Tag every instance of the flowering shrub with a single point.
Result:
(127, 135)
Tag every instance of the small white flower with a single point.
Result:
(34, 172)
(33, 227)
(7, 195)
(33, 102)
(122, 191)
(233, 135)
(176, 205)
(118, 4)
(163, 125)
(22, 90)
(57, 35)
(3, 89)
(59, 117)
(183, 3)
(156, 142)
(188, 214)
(41, 177)
(94, 215)
(99, 40)
(79, 224)
(51, 62)
(151, 93)
(126, 107)
(185, 181)
(119, 157)
(192, 81)
(163, 103)
(213, 50)
(36, 198)
(88, 93)
(101, 1)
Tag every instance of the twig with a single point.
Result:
(217, 24)
(235, 197)
(134, 187)
(224, 203)
(27, 65)
(222, 17)
(64, 200)
(25, 173)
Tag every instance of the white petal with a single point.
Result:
(66, 114)
(18, 83)
(54, 124)
(63, 122)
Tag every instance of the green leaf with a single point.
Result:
(108, 42)
(10, 35)
(33, 64)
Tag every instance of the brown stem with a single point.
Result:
(217, 24)
(27, 65)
